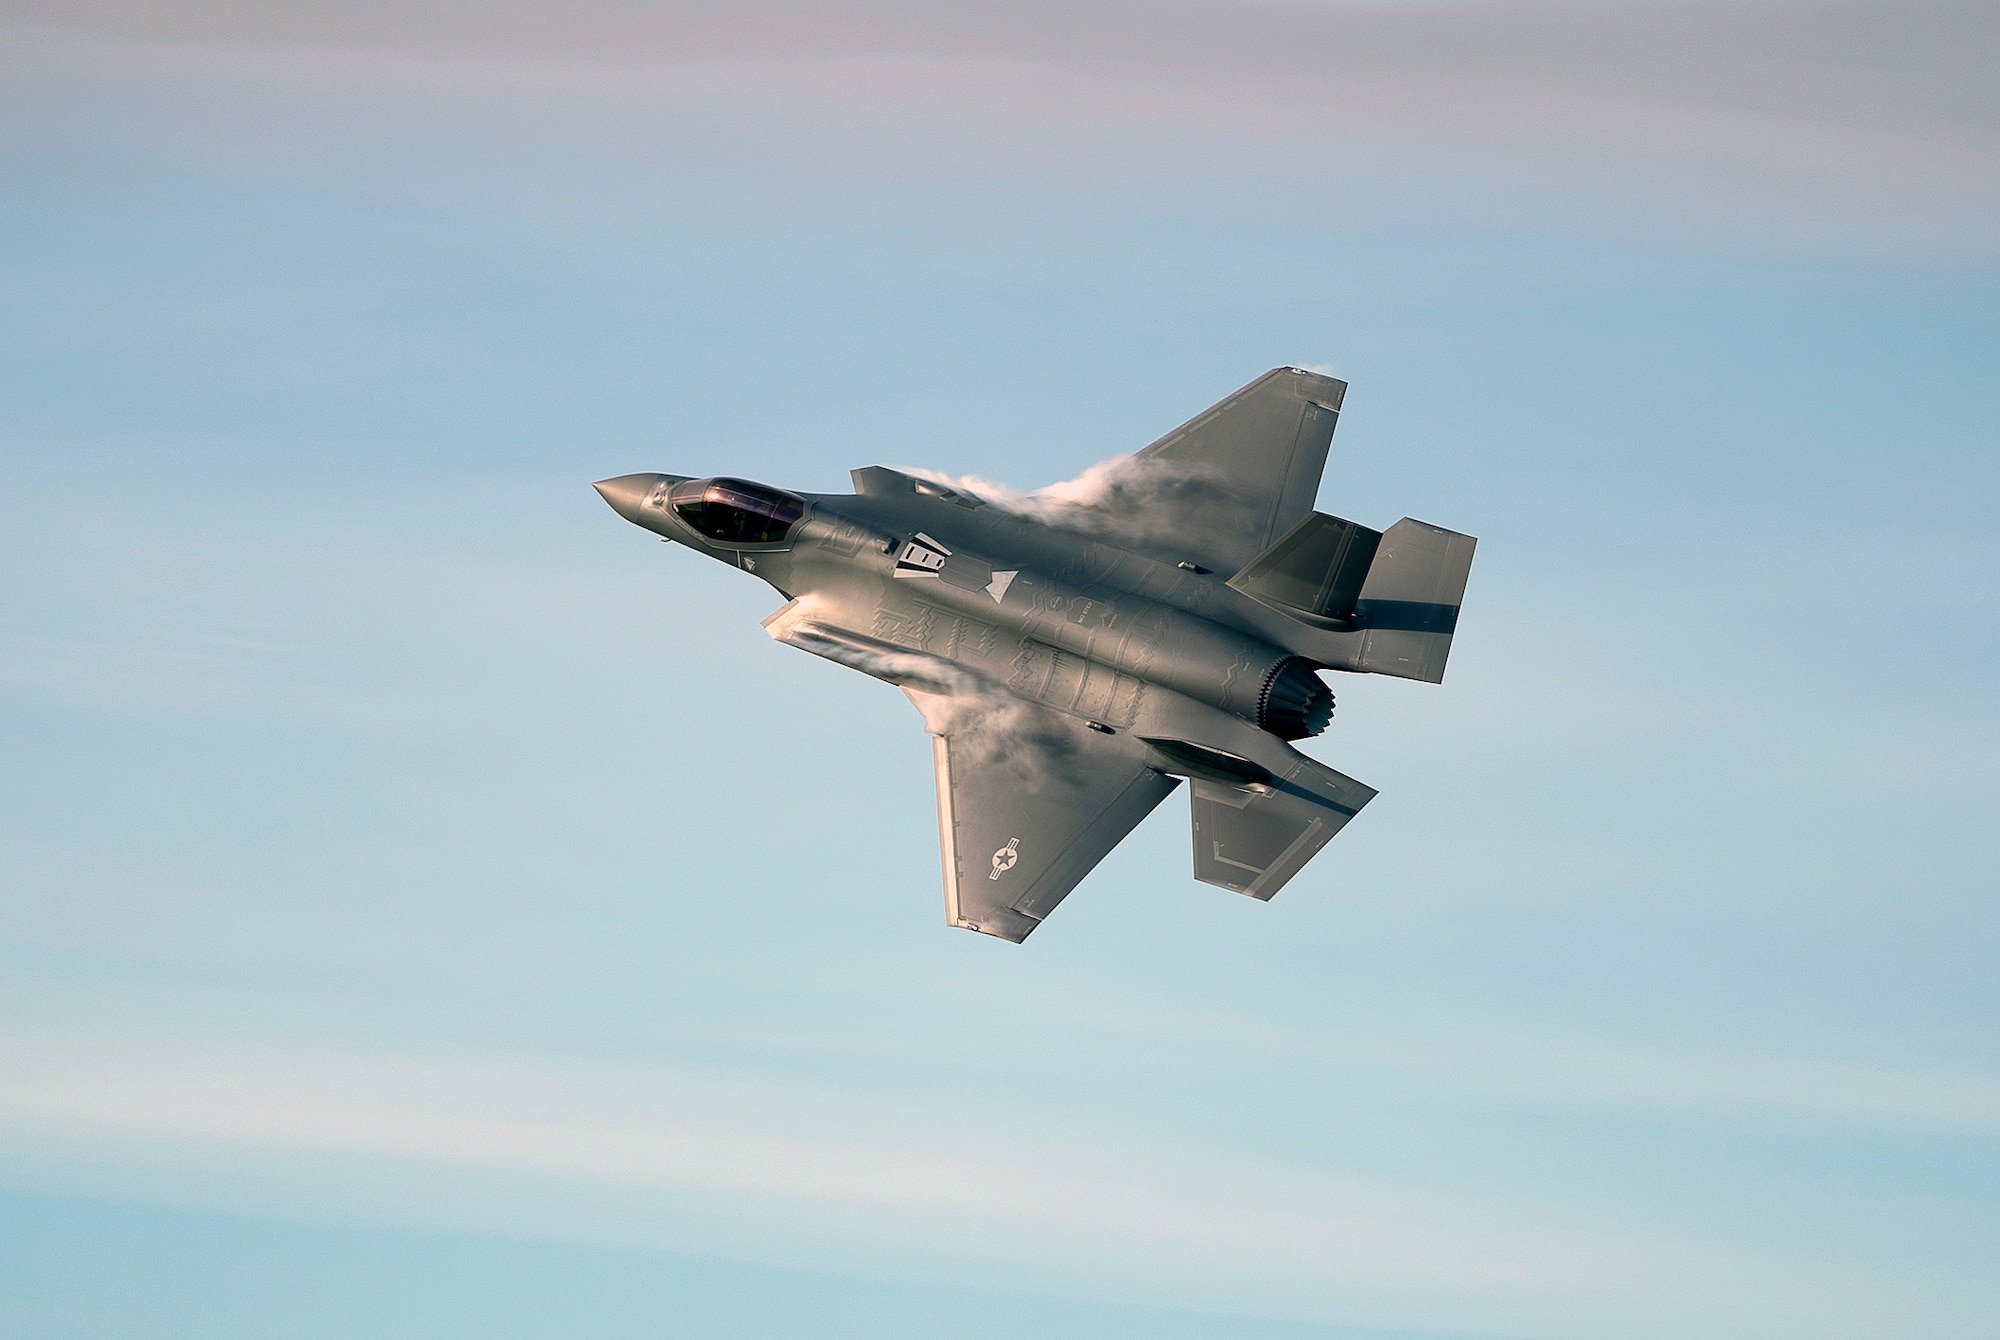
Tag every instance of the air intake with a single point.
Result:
(1296, 702)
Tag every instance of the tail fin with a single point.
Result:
(1383, 603)
(1408, 607)
(1315, 571)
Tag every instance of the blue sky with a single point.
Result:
(430, 908)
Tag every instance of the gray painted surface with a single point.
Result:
(1077, 652)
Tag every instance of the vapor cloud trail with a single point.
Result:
(988, 725)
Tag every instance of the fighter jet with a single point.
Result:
(1076, 652)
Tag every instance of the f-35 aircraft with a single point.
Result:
(1076, 652)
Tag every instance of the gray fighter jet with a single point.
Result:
(1076, 652)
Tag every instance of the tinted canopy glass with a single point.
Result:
(737, 511)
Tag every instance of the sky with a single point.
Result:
(430, 907)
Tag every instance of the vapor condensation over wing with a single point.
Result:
(1135, 502)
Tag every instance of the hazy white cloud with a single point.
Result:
(1747, 1088)
(962, 1189)
(1884, 113)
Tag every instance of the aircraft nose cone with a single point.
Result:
(627, 492)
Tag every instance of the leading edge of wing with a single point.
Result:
(1029, 801)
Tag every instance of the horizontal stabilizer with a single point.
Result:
(1253, 838)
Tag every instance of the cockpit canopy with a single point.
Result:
(736, 511)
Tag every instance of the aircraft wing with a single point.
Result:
(1029, 801)
(1243, 472)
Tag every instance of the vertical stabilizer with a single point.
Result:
(1409, 604)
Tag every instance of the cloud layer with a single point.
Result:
(1843, 101)
(645, 1156)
